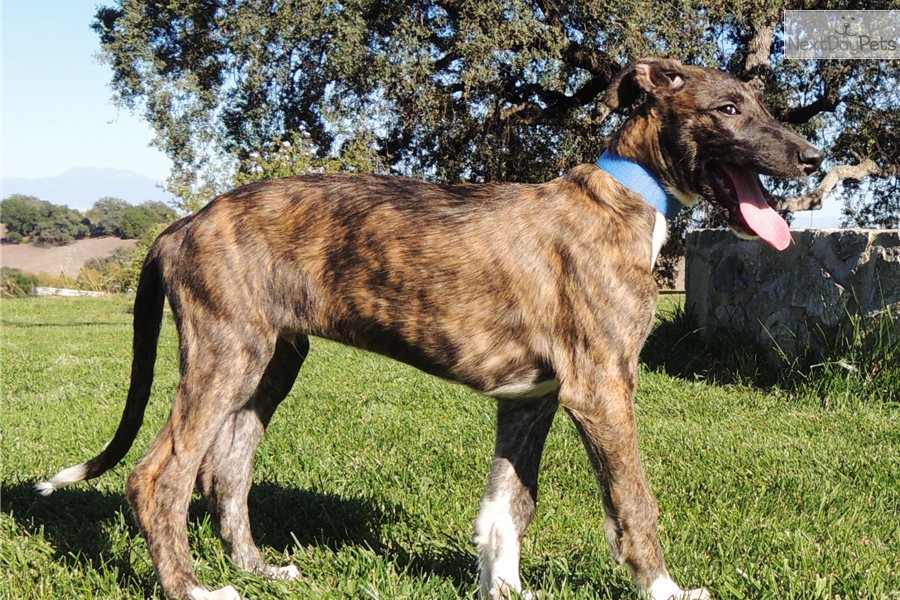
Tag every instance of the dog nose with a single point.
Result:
(810, 158)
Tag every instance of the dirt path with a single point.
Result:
(68, 259)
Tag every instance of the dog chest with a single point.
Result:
(524, 390)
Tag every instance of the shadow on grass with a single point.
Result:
(280, 515)
(283, 517)
(677, 347)
(78, 523)
(859, 362)
(66, 325)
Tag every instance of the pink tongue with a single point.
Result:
(760, 217)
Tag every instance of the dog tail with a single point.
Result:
(148, 308)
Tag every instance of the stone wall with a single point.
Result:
(797, 299)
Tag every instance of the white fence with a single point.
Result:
(49, 291)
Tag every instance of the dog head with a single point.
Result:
(708, 134)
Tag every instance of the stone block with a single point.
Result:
(797, 301)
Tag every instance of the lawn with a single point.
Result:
(370, 477)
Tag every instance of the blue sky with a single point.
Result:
(57, 112)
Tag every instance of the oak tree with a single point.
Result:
(469, 90)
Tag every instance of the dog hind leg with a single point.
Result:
(509, 501)
(225, 475)
(221, 371)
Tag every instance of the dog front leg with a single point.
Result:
(604, 417)
(509, 501)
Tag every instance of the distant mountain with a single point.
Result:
(80, 188)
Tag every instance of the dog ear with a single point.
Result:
(655, 76)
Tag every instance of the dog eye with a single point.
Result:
(728, 109)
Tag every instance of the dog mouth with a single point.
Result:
(737, 190)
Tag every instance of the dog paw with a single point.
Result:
(505, 592)
(663, 588)
(225, 593)
(508, 594)
(287, 572)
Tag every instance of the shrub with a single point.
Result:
(14, 237)
(48, 224)
(21, 214)
(106, 215)
(52, 235)
(15, 283)
(118, 272)
(105, 274)
(136, 221)
(131, 271)
(113, 216)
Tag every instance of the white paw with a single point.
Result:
(666, 589)
(505, 592)
(225, 593)
(287, 572)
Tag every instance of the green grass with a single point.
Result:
(371, 474)
(860, 363)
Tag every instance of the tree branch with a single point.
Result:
(446, 60)
(813, 200)
(593, 61)
(828, 101)
(575, 54)
(556, 104)
(796, 115)
(759, 51)
(551, 13)
(531, 113)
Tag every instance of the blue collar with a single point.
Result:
(640, 181)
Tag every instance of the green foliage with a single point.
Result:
(21, 214)
(875, 131)
(296, 157)
(192, 190)
(113, 274)
(15, 283)
(14, 237)
(109, 274)
(106, 215)
(64, 229)
(370, 475)
(45, 223)
(863, 361)
(113, 216)
(136, 222)
(868, 205)
(162, 212)
(127, 279)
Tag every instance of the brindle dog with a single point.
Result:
(536, 295)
